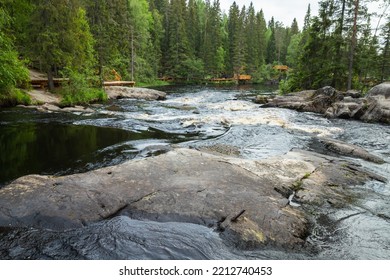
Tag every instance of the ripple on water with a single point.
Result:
(202, 117)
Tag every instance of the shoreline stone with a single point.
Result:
(375, 107)
(119, 92)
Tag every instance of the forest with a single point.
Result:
(87, 41)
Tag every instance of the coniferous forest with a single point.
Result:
(146, 40)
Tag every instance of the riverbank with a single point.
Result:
(44, 101)
(331, 103)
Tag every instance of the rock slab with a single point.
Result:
(247, 201)
(118, 92)
(375, 107)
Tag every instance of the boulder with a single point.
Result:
(295, 101)
(247, 201)
(322, 99)
(375, 107)
(382, 91)
(261, 99)
(346, 149)
(378, 104)
(118, 92)
(349, 108)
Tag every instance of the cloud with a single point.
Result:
(282, 10)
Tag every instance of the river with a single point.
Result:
(33, 142)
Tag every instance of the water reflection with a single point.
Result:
(46, 148)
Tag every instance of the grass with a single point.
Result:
(14, 97)
(83, 97)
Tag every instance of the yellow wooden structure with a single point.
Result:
(282, 68)
(118, 83)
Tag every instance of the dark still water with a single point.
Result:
(51, 144)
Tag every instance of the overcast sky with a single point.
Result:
(286, 10)
(282, 10)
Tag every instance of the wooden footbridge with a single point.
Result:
(235, 78)
(44, 83)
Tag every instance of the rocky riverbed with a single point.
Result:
(374, 107)
(250, 183)
(246, 200)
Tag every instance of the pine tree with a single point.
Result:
(111, 31)
(261, 28)
(141, 50)
(236, 49)
(19, 13)
(59, 37)
(193, 28)
(157, 35)
(179, 54)
(271, 46)
(252, 59)
(307, 19)
(294, 27)
(212, 51)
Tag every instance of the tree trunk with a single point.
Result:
(337, 73)
(353, 45)
(50, 78)
(385, 55)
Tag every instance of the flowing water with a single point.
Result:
(44, 143)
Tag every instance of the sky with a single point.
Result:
(282, 10)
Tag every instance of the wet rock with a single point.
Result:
(346, 109)
(131, 239)
(221, 149)
(334, 104)
(298, 101)
(190, 186)
(114, 108)
(354, 94)
(78, 109)
(323, 98)
(53, 108)
(261, 99)
(350, 150)
(119, 92)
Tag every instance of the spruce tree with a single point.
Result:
(59, 37)
(178, 53)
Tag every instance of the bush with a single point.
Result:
(81, 89)
(14, 97)
(13, 73)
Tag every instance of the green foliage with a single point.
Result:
(193, 69)
(14, 97)
(284, 87)
(294, 50)
(194, 39)
(329, 53)
(13, 73)
(60, 37)
(81, 89)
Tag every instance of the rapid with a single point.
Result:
(222, 118)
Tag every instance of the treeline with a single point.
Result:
(341, 48)
(144, 40)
